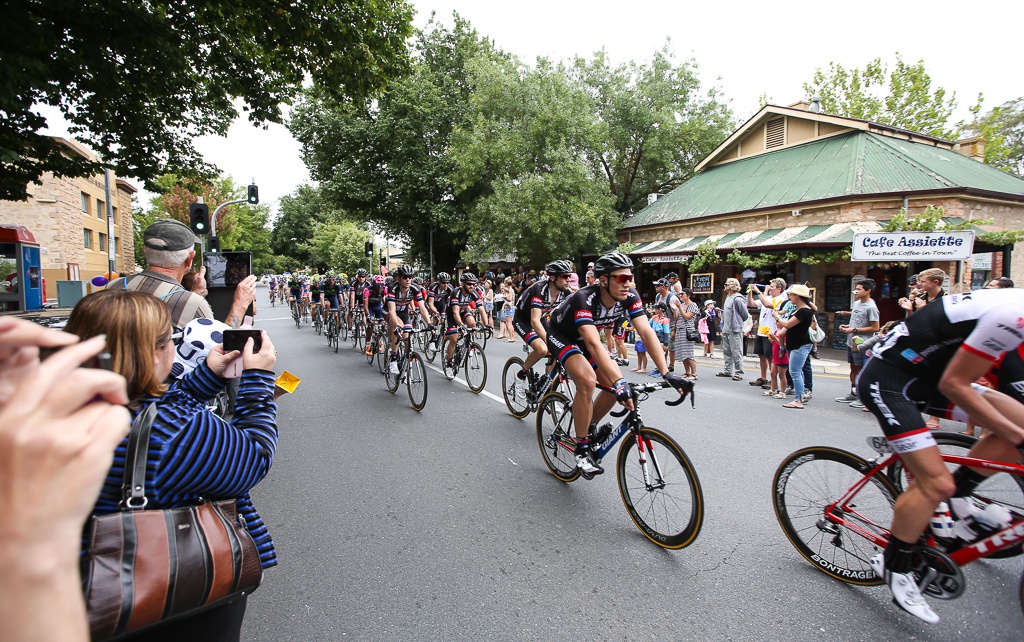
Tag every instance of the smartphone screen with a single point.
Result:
(235, 339)
(227, 269)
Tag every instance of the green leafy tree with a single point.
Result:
(1003, 129)
(902, 97)
(300, 215)
(387, 161)
(138, 81)
(654, 124)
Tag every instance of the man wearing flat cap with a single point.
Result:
(169, 247)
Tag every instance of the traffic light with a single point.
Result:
(254, 195)
(368, 248)
(383, 261)
(199, 218)
(213, 245)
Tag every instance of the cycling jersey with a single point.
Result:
(331, 292)
(439, 293)
(538, 295)
(466, 303)
(987, 323)
(294, 285)
(358, 289)
(584, 307)
(901, 379)
(414, 294)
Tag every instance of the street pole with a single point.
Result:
(432, 252)
(111, 256)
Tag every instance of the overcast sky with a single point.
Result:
(744, 48)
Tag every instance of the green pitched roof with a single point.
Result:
(854, 164)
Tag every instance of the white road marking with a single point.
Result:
(463, 382)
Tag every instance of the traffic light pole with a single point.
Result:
(213, 217)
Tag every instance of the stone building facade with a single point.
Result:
(68, 218)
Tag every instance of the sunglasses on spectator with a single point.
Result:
(622, 278)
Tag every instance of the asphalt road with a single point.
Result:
(446, 525)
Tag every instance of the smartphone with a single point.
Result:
(235, 339)
(102, 361)
(226, 269)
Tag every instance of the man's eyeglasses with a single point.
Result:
(622, 278)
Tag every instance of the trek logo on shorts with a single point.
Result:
(911, 356)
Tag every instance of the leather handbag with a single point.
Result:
(143, 567)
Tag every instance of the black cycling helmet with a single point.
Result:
(468, 277)
(417, 280)
(610, 262)
(444, 277)
(406, 270)
(557, 268)
(361, 272)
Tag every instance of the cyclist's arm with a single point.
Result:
(537, 321)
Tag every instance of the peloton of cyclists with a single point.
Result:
(574, 336)
(437, 294)
(930, 363)
(355, 293)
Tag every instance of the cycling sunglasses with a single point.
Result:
(622, 278)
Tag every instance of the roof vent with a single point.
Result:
(775, 133)
(652, 198)
(816, 104)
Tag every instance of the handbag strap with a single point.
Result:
(133, 484)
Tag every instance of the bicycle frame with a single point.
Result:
(984, 547)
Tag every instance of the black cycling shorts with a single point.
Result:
(524, 328)
(562, 348)
(898, 399)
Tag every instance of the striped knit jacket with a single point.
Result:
(195, 454)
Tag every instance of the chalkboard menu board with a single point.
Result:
(702, 283)
(838, 289)
(838, 336)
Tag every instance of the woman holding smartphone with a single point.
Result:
(193, 453)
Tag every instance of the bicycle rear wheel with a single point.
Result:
(476, 368)
(810, 480)
(416, 381)
(343, 328)
(431, 345)
(514, 389)
(334, 338)
(392, 379)
(371, 349)
(554, 436)
(669, 510)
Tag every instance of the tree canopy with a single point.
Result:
(1003, 128)
(490, 156)
(902, 97)
(138, 81)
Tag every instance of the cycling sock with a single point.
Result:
(966, 481)
(898, 555)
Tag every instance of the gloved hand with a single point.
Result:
(463, 330)
(682, 386)
(623, 391)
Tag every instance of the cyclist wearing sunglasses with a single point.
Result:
(536, 303)
(405, 294)
(458, 314)
(574, 336)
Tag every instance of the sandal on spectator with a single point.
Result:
(769, 393)
(793, 404)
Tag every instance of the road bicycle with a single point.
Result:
(433, 340)
(523, 397)
(377, 346)
(318, 319)
(835, 508)
(358, 330)
(657, 482)
(297, 306)
(273, 297)
(469, 356)
(331, 329)
(410, 370)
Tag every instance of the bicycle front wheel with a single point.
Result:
(431, 345)
(334, 339)
(371, 349)
(392, 378)
(514, 389)
(416, 381)
(476, 368)
(667, 504)
(808, 482)
(554, 436)
(383, 350)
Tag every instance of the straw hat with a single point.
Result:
(799, 289)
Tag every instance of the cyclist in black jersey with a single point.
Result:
(574, 336)
(460, 303)
(405, 294)
(355, 292)
(536, 303)
(929, 363)
(437, 294)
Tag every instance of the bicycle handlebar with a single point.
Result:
(647, 388)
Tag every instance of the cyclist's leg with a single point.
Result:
(576, 362)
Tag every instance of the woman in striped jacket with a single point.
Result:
(193, 453)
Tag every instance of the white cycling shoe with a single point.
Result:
(904, 591)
